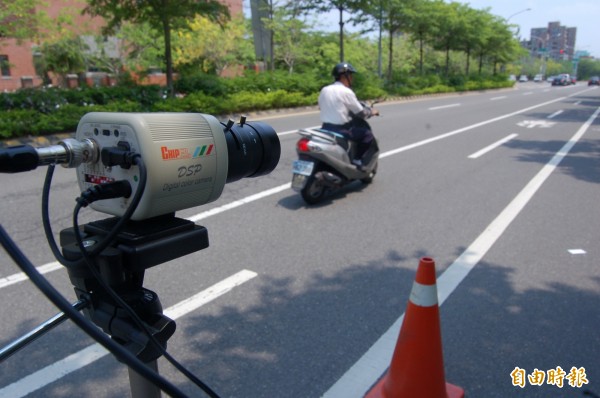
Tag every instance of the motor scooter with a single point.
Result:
(325, 164)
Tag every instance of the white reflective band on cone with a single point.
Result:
(424, 295)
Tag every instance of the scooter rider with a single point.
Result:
(338, 105)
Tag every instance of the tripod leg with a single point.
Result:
(142, 388)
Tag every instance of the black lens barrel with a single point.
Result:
(253, 149)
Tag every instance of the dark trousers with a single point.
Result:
(361, 135)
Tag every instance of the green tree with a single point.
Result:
(217, 46)
(452, 30)
(420, 23)
(63, 57)
(19, 19)
(588, 68)
(501, 47)
(142, 45)
(353, 7)
(475, 24)
(289, 37)
(164, 14)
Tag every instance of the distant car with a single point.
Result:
(523, 78)
(538, 78)
(561, 81)
(594, 81)
(564, 79)
(573, 80)
(512, 78)
(550, 79)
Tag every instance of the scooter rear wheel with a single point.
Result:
(313, 191)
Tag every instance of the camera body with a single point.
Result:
(188, 157)
(185, 154)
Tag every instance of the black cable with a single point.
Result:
(61, 303)
(136, 159)
(138, 321)
(46, 221)
(88, 258)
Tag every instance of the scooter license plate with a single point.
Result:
(303, 167)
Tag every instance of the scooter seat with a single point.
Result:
(339, 138)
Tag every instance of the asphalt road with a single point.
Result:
(499, 188)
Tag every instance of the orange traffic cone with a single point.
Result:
(417, 368)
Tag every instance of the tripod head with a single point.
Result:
(141, 245)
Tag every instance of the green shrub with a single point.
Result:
(52, 110)
(18, 123)
(118, 106)
(201, 82)
(65, 119)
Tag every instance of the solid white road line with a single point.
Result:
(363, 374)
(492, 147)
(498, 98)
(84, 357)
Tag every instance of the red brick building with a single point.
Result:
(17, 58)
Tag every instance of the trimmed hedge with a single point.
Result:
(55, 110)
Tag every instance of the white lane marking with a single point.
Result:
(492, 147)
(577, 251)
(295, 131)
(531, 124)
(498, 98)
(361, 376)
(86, 356)
(462, 130)
(20, 277)
(239, 203)
(555, 114)
(435, 108)
(388, 153)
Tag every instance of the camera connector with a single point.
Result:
(110, 190)
(69, 152)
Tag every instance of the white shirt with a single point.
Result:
(336, 101)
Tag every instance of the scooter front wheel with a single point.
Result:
(313, 191)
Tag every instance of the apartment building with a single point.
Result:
(17, 58)
(555, 41)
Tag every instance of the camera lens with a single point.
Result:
(253, 150)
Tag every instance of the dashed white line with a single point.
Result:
(20, 277)
(443, 107)
(555, 114)
(492, 146)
